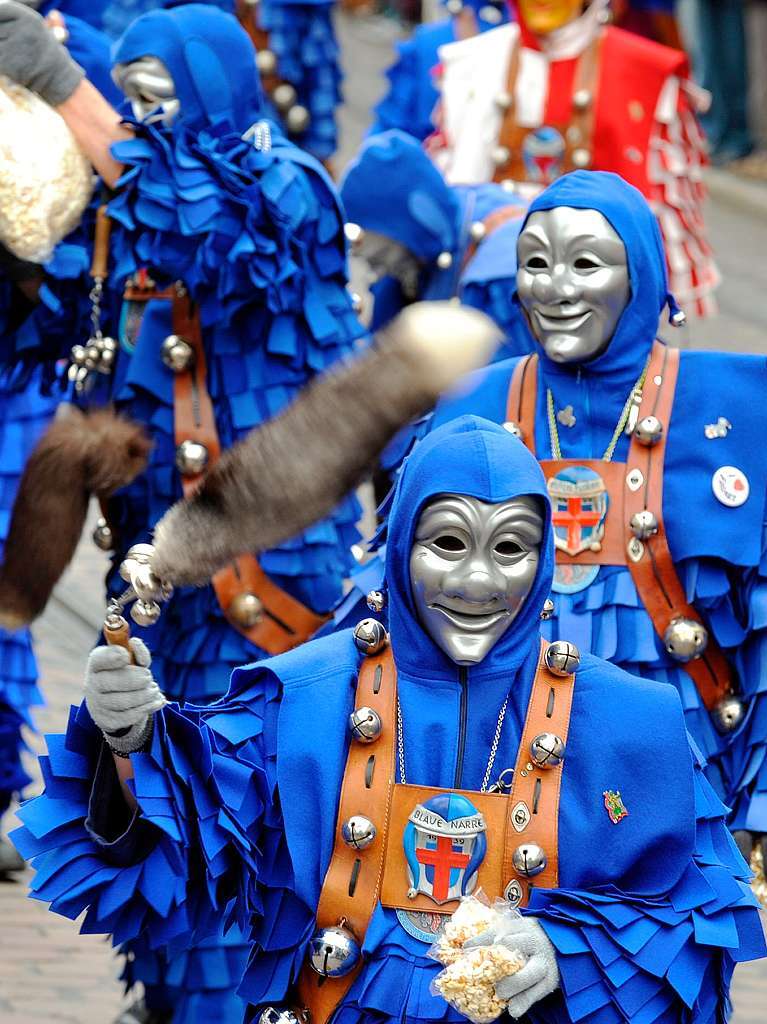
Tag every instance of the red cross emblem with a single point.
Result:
(579, 505)
(574, 518)
(443, 858)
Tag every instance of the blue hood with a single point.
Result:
(630, 215)
(392, 187)
(87, 10)
(474, 457)
(210, 58)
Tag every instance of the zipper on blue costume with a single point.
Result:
(463, 676)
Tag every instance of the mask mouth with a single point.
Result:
(557, 320)
(471, 619)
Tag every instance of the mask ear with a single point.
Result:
(210, 82)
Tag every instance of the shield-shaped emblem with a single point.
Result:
(579, 508)
(445, 844)
(543, 152)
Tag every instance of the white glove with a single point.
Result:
(540, 975)
(121, 697)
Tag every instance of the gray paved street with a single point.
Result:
(50, 974)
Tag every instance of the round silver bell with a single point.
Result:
(284, 97)
(491, 14)
(370, 637)
(357, 303)
(547, 611)
(477, 231)
(504, 100)
(176, 353)
(514, 429)
(648, 431)
(365, 725)
(644, 524)
(280, 1015)
(358, 832)
(445, 260)
(107, 355)
(581, 158)
(77, 355)
(102, 535)
(191, 458)
(139, 554)
(92, 355)
(685, 639)
(547, 750)
(728, 714)
(562, 658)
(148, 586)
(529, 860)
(454, 6)
(376, 600)
(500, 155)
(145, 613)
(334, 952)
(245, 610)
(354, 233)
(297, 119)
(266, 62)
(581, 99)
(678, 319)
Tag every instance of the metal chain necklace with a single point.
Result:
(626, 420)
(490, 759)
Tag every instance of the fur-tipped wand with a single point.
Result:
(293, 470)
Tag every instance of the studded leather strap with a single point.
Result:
(284, 622)
(352, 884)
(650, 561)
(578, 134)
(491, 223)
(521, 399)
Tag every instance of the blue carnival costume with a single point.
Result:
(718, 550)
(238, 804)
(412, 96)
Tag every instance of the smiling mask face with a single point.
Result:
(572, 281)
(150, 88)
(471, 567)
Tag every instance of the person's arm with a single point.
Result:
(95, 125)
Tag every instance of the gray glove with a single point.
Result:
(121, 698)
(540, 975)
(31, 56)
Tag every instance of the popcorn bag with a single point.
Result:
(468, 981)
(45, 180)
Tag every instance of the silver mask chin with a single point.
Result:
(381, 257)
(150, 88)
(572, 281)
(471, 567)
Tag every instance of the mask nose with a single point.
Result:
(480, 584)
(557, 287)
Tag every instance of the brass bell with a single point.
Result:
(102, 535)
(529, 860)
(581, 99)
(191, 458)
(370, 637)
(562, 658)
(514, 429)
(581, 159)
(547, 611)
(176, 353)
(445, 260)
(365, 725)
(648, 431)
(297, 119)
(334, 952)
(376, 600)
(500, 155)
(266, 62)
(145, 613)
(245, 610)
(358, 832)
(728, 714)
(547, 750)
(477, 231)
(284, 97)
(685, 639)
(644, 524)
(504, 100)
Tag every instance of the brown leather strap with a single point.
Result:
(283, 622)
(102, 232)
(533, 804)
(578, 133)
(650, 562)
(522, 396)
(353, 879)
(491, 223)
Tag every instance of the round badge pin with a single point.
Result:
(730, 486)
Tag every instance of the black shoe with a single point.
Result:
(11, 860)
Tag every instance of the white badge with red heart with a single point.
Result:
(730, 486)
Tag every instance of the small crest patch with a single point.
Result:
(615, 805)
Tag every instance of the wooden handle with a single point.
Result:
(100, 264)
(117, 633)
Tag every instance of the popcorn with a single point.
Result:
(470, 919)
(468, 983)
(45, 180)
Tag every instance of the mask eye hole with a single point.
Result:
(536, 263)
(508, 548)
(586, 263)
(449, 542)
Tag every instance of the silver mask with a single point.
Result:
(383, 257)
(150, 88)
(471, 567)
(572, 281)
